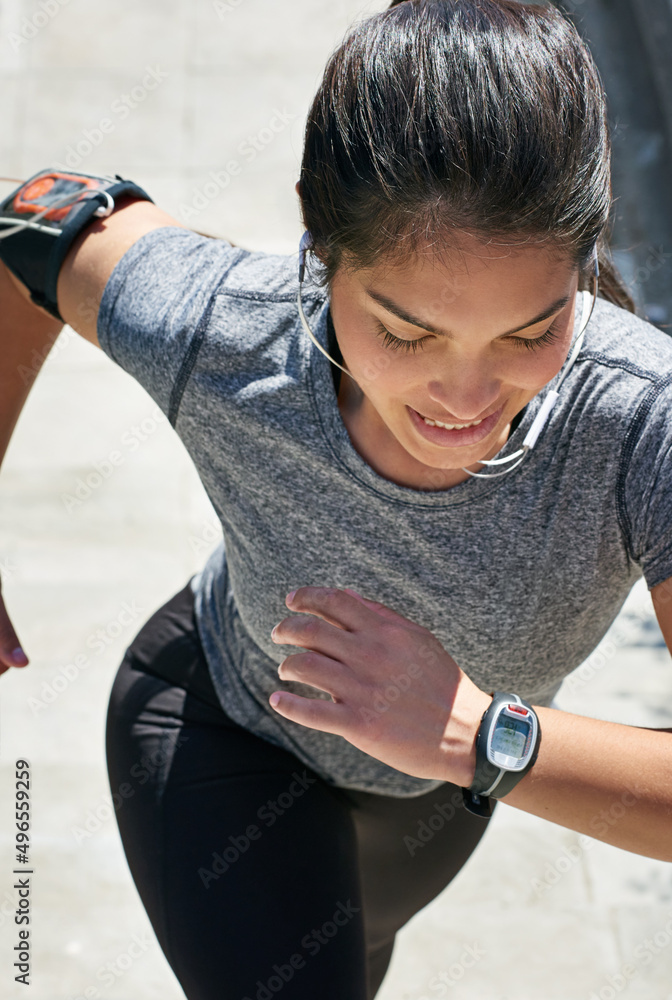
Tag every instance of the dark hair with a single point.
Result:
(486, 116)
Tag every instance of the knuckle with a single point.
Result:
(393, 632)
(376, 651)
(309, 626)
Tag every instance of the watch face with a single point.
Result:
(510, 736)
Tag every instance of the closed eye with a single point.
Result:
(396, 343)
(550, 336)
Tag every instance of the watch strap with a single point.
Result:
(491, 781)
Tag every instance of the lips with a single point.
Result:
(443, 420)
(455, 438)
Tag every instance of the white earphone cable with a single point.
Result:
(550, 399)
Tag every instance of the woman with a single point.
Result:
(455, 186)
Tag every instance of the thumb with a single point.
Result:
(11, 654)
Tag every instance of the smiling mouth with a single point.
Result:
(455, 435)
(451, 427)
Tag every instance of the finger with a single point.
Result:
(312, 632)
(11, 654)
(311, 668)
(382, 609)
(315, 713)
(374, 605)
(335, 606)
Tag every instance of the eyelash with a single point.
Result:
(396, 343)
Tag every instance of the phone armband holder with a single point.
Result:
(40, 220)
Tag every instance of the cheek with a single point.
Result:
(382, 374)
(372, 367)
(534, 369)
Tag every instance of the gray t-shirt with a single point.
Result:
(518, 577)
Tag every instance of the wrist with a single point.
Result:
(459, 739)
(507, 746)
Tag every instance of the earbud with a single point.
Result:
(544, 413)
(304, 246)
(552, 396)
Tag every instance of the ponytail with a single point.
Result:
(612, 286)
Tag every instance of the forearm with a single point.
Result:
(26, 337)
(609, 781)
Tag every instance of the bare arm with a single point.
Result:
(28, 332)
(603, 779)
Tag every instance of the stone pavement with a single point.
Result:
(87, 554)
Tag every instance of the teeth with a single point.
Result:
(451, 427)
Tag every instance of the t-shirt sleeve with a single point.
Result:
(647, 485)
(155, 302)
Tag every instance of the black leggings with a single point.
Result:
(257, 875)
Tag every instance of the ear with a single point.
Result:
(297, 188)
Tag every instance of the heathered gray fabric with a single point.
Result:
(518, 577)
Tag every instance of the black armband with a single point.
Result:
(41, 219)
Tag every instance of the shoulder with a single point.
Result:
(616, 340)
(173, 278)
(624, 371)
(618, 397)
(243, 273)
(173, 254)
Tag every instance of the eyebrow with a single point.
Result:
(401, 314)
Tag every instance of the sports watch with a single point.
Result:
(507, 745)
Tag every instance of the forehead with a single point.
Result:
(498, 287)
(466, 256)
(500, 273)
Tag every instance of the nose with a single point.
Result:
(465, 395)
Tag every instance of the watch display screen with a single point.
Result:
(510, 737)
